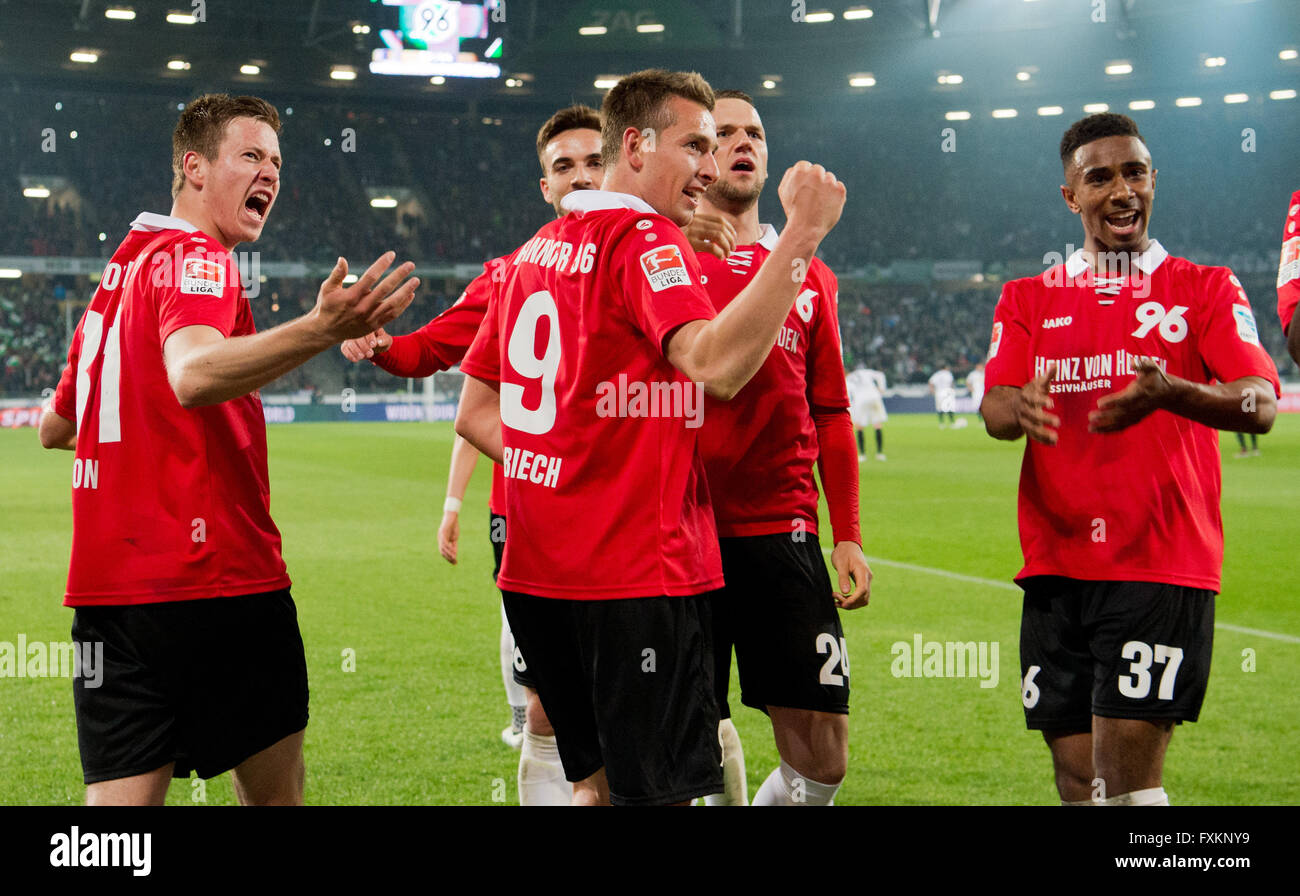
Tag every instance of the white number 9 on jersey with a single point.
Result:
(521, 352)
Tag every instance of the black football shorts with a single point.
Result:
(204, 684)
(627, 685)
(1123, 650)
(778, 610)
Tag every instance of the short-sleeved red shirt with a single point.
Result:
(1141, 504)
(766, 433)
(168, 504)
(607, 496)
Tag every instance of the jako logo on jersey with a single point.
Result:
(203, 277)
(996, 340)
(1051, 322)
(664, 267)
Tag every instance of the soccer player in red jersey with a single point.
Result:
(175, 559)
(568, 149)
(585, 383)
(1119, 365)
(1288, 276)
(778, 607)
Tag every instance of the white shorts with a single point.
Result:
(869, 413)
(946, 402)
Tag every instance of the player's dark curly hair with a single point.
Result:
(567, 119)
(203, 125)
(640, 101)
(1095, 127)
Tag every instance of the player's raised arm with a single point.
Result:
(206, 368)
(724, 353)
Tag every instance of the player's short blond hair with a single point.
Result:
(640, 101)
(570, 118)
(203, 125)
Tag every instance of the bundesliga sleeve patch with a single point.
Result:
(203, 277)
(996, 340)
(664, 267)
(1289, 268)
(1246, 329)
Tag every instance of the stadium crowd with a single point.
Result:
(466, 188)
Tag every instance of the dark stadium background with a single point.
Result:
(927, 236)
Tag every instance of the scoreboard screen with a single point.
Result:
(441, 37)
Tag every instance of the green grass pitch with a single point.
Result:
(418, 721)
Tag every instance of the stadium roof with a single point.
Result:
(1002, 50)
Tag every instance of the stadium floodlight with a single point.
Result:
(72, 135)
(1023, 75)
(36, 192)
(1142, 105)
(1187, 102)
(1215, 62)
(89, 57)
(946, 78)
(862, 79)
(10, 273)
(1096, 108)
(1045, 111)
(769, 84)
(592, 30)
(437, 80)
(360, 28)
(250, 69)
(121, 13)
(1119, 68)
(605, 82)
(514, 82)
(102, 236)
(178, 65)
(857, 13)
(818, 17)
(181, 18)
(1287, 55)
(957, 115)
(1281, 94)
(1233, 98)
(650, 28)
(1005, 113)
(383, 202)
(343, 73)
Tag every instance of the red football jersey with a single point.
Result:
(607, 496)
(1141, 504)
(442, 343)
(1288, 269)
(765, 434)
(168, 504)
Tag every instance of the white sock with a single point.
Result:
(786, 787)
(735, 786)
(1152, 796)
(541, 776)
(514, 692)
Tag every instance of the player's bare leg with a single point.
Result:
(149, 789)
(1129, 757)
(541, 774)
(815, 747)
(273, 777)
(593, 791)
(1072, 764)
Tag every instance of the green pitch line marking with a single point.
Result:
(1010, 586)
